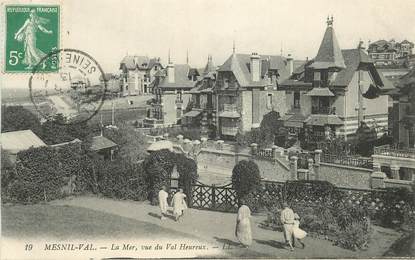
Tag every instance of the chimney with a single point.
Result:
(170, 72)
(290, 63)
(255, 67)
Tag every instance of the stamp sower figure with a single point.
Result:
(298, 233)
(287, 219)
(243, 225)
(163, 195)
(179, 204)
(27, 34)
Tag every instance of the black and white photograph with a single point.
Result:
(207, 129)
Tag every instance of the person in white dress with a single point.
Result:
(243, 226)
(298, 233)
(163, 195)
(179, 204)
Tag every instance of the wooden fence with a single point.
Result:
(219, 198)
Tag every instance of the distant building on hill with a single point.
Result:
(112, 81)
(137, 74)
(386, 53)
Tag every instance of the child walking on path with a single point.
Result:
(298, 233)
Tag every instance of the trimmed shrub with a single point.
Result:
(246, 180)
(42, 173)
(187, 169)
(121, 180)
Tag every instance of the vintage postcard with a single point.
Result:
(207, 129)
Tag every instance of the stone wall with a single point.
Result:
(274, 165)
(220, 161)
(345, 176)
(272, 170)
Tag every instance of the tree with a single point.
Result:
(245, 178)
(132, 144)
(55, 130)
(187, 169)
(366, 136)
(59, 129)
(159, 167)
(15, 118)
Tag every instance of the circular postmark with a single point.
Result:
(76, 92)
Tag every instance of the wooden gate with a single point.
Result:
(220, 198)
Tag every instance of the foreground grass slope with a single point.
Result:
(70, 222)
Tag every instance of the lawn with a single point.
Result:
(68, 222)
(90, 217)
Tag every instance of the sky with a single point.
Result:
(109, 29)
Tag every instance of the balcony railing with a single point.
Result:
(265, 153)
(229, 130)
(323, 110)
(387, 150)
(230, 108)
(153, 121)
(207, 106)
(347, 160)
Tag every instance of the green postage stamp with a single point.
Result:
(32, 31)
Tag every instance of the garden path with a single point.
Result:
(219, 228)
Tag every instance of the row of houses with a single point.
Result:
(334, 92)
(392, 52)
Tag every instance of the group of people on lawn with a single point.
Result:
(289, 219)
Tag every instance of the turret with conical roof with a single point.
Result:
(329, 54)
(210, 67)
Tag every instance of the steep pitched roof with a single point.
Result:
(329, 54)
(406, 82)
(353, 58)
(209, 68)
(132, 62)
(181, 78)
(239, 64)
